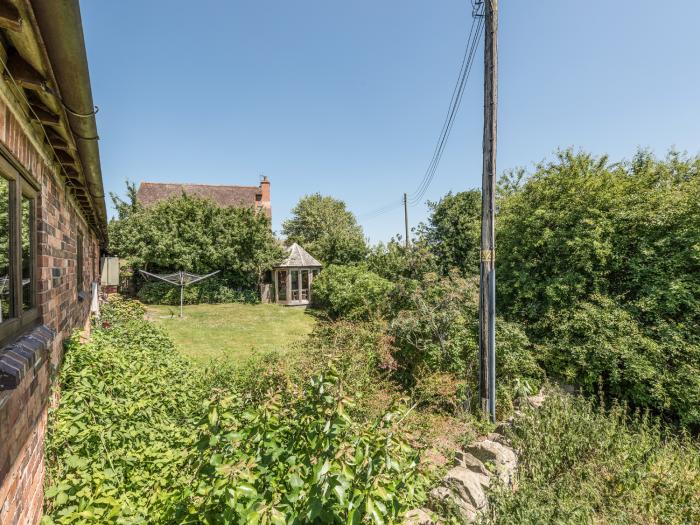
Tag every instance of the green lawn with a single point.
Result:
(233, 331)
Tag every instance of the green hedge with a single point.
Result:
(351, 292)
(212, 291)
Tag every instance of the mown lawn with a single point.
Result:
(232, 331)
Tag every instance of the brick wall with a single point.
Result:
(23, 409)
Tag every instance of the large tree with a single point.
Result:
(453, 231)
(194, 234)
(326, 229)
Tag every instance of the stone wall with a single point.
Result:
(23, 408)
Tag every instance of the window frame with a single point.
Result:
(79, 261)
(20, 185)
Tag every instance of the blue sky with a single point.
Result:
(348, 98)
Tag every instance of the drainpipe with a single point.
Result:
(61, 30)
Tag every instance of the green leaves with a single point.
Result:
(194, 234)
(141, 436)
(299, 458)
(119, 443)
(326, 229)
(351, 292)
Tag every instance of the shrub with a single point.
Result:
(438, 333)
(302, 460)
(141, 435)
(117, 309)
(195, 234)
(395, 261)
(598, 342)
(579, 463)
(212, 291)
(351, 292)
(120, 440)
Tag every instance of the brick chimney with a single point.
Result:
(265, 192)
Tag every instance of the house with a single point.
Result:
(292, 278)
(256, 197)
(52, 228)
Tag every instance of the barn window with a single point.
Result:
(18, 210)
(79, 262)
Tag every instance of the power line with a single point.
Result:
(455, 102)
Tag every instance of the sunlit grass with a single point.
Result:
(232, 331)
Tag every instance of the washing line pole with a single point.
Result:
(487, 282)
(182, 291)
(181, 279)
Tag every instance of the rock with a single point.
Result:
(469, 485)
(444, 499)
(502, 457)
(536, 401)
(418, 517)
(465, 459)
(498, 437)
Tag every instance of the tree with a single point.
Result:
(194, 234)
(128, 206)
(453, 232)
(326, 229)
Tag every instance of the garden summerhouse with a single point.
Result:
(292, 278)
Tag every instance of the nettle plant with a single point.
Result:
(299, 458)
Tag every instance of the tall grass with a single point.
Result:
(580, 463)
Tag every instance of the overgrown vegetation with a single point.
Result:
(194, 234)
(599, 263)
(581, 463)
(143, 436)
(599, 286)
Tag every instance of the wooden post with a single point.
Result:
(487, 284)
(405, 216)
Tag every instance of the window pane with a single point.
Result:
(27, 254)
(295, 285)
(5, 281)
(79, 263)
(282, 285)
(305, 285)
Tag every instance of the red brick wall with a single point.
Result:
(23, 410)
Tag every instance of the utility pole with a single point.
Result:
(405, 216)
(487, 283)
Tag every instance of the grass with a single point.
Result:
(232, 331)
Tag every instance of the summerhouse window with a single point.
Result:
(18, 271)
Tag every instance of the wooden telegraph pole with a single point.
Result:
(405, 216)
(487, 284)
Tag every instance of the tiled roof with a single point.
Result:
(225, 196)
(298, 257)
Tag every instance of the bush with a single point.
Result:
(212, 291)
(437, 334)
(301, 460)
(142, 435)
(600, 261)
(119, 443)
(117, 309)
(351, 292)
(394, 261)
(195, 234)
(581, 464)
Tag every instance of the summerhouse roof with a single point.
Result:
(298, 257)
